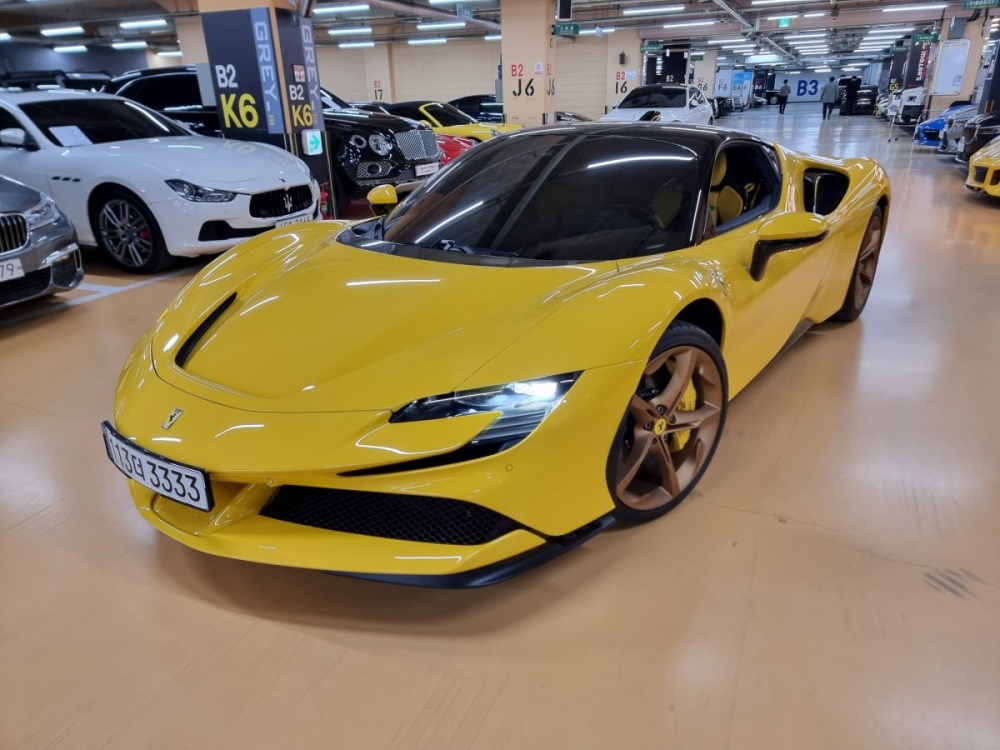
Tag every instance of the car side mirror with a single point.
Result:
(787, 231)
(692, 104)
(383, 199)
(16, 138)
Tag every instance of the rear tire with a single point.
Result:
(865, 266)
(671, 427)
(127, 231)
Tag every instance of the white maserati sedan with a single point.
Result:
(667, 102)
(143, 187)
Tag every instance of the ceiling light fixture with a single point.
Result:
(817, 14)
(62, 31)
(355, 45)
(70, 48)
(170, 53)
(922, 6)
(436, 40)
(353, 31)
(727, 40)
(781, 18)
(129, 45)
(683, 24)
(325, 10)
(440, 25)
(149, 23)
(654, 10)
(4, 36)
(782, 2)
(492, 38)
(602, 29)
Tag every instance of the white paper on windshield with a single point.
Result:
(70, 135)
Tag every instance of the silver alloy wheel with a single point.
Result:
(125, 232)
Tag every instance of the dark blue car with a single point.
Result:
(928, 133)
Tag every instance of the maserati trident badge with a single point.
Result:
(171, 418)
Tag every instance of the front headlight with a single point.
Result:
(198, 194)
(44, 212)
(521, 406)
(379, 144)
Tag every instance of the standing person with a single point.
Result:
(851, 93)
(828, 95)
(783, 93)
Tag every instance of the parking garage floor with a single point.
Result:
(834, 582)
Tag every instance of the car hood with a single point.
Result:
(373, 120)
(199, 159)
(320, 326)
(631, 115)
(16, 196)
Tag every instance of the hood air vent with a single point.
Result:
(185, 352)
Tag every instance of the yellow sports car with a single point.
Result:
(536, 342)
(444, 118)
(984, 169)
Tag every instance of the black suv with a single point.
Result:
(368, 148)
(979, 131)
(82, 80)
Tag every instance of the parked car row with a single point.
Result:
(972, 138)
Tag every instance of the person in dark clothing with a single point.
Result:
(851, 94)
(783, 93)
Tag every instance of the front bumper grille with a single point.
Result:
(932, 135)
(371, 170)
(13, 232)
(995, 179)
(29, 285)
(406, 174)
(979, 174)
(412, 518)
(277, 203)
(417, 145)
(66, 272)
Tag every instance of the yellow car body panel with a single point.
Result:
(265, 406)
(984, 170)
(479, 131)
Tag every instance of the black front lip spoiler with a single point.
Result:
(498, 571)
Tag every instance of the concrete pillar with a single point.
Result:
(529, 61)
(704, 73)
(622, 77)
(191, 37)
(378, 73)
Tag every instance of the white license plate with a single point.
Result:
(175, 481)
(11, 269)
(425, 169)
(293, 220)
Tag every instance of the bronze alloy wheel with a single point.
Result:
(672, 425)
(128, 233)
(864, 270)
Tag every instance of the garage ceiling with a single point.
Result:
(815, 30)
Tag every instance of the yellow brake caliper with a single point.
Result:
(689, 402)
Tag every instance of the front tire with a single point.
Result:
(127, 231)
(671, 427)
(864, 270)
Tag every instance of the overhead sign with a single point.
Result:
(652, 47)
(244, 76)
(977, 4)
(565, 29)
(926, 38)
(784, 23)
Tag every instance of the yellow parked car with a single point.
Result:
(984, 169)
(444, 118)
(538, 341)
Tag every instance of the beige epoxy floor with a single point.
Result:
(834, 583)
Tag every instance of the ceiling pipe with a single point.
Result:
(749, 26)
(399, 6)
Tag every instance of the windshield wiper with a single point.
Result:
(452, 246)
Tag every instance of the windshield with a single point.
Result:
(655, 99)
(448, 115)
(563, 197)
(82, 122)
(332, 101)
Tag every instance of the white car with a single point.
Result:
(143, 187)
(670, 101)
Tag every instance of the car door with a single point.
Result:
(768, 312)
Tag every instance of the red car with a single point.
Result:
(452, 146)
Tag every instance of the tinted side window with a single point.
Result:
(412, 112)
(165, 92)
(7, 120)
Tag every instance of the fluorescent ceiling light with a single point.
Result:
(4, 36)
(892, 33)
(922, 6)
(356, 45)
(794, 37)
(440, 25)
(452, 2)
(823, 70)
(682, 24)
(62, 31)
(492, 38)
(149, 23)
(782, 2)
(816, 14)
(438, 40)
(169, 53)
(353, 31)
(729, 40)
(323, 10)
(791, 72)
(129, 45)
(591, 32)
(779, 18)
(851, 69)
(653, 10)
(70, 48)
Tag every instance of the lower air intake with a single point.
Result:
(411, 518)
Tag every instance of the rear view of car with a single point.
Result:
(38, 250)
